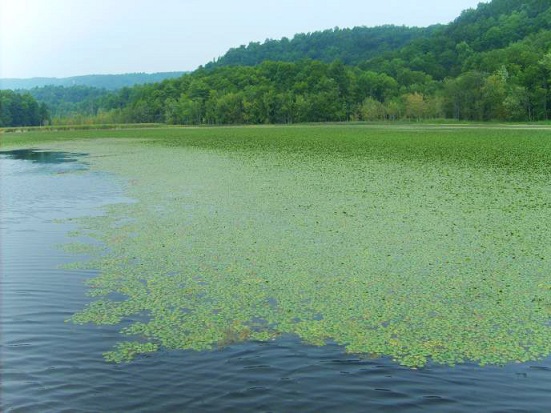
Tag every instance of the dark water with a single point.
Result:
(52, 366)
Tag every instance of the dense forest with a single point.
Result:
(491, 63)
(351, 46)
(21, 110)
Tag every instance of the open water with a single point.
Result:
(49, 365)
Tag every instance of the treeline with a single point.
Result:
(21, 110)
(491, 63)
(312, 91)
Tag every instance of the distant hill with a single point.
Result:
(65, 101)
(109, 82)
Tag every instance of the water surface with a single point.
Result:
(49, 365)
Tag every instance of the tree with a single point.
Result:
(464, 96)
(495, 93)
(172, 115)
(372, 109)
(415, 106)
(517, 103)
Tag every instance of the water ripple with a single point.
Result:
(52, 366)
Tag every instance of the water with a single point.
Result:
(49, 365)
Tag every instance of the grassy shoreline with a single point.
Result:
(424, 123)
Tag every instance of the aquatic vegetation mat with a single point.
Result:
(420, 258)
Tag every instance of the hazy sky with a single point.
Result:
(59, 38)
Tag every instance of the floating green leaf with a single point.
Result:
(418, 246)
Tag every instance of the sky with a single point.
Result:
(62, 38)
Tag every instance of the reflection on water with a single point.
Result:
(34, 161)
(38, 156)
(49, 365)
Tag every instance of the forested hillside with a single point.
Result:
(455, 48)
(491, 63)
(351, 46)
(440, 51)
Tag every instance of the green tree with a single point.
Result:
(495, 92)
(372, 110)
(416, 106)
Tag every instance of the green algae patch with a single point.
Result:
(416, 258)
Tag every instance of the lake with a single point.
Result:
(55, 204)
